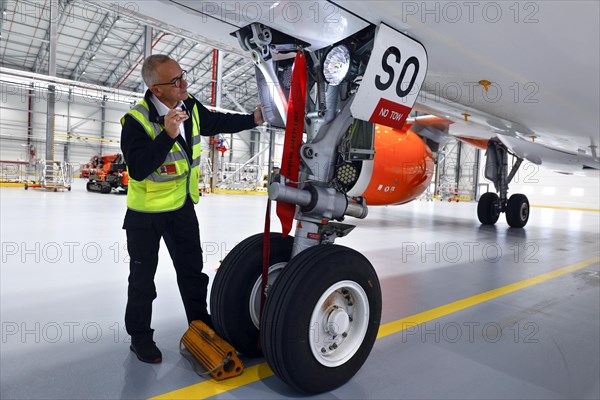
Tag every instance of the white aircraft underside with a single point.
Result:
(541, 59)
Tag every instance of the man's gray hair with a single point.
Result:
(149, 68)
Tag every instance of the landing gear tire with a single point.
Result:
(235, 296)
(488, 208)
(517, 211)
(321, 318)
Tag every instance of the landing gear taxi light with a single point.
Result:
(337, 65)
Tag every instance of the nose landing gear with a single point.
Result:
(323, 304)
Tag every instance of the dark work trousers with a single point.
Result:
(182, 236)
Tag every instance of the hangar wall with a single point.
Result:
(79, 116)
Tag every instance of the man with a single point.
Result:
(160, 140)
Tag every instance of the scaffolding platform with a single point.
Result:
(52, 175)
(13, 172)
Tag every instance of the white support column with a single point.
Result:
(102, 124)
(147, 44)
(67, 148)
(50, 113)
(147, 41)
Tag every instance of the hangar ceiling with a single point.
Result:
(97, 46)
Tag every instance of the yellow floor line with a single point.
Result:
(567, 208)
(255, 373)
(438, 312)
(12, 184)
(211, 387)
(233, 191)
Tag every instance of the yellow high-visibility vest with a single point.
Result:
(166, 188)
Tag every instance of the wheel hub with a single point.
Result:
(524, 211)
(254, 303)
(339, 323)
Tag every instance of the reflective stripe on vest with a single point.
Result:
(166, 188)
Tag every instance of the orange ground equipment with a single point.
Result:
(106, 173)
(200, 344)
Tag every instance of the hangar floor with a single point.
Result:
(63, 290)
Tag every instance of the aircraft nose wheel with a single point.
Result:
(517, 211)
(235, 294)
(321, 318)
(488, 208)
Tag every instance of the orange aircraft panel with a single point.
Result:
(403, 167)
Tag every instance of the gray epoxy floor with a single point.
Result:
(63, 290)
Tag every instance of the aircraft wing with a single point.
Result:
(468, 122)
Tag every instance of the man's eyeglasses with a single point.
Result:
(175, 82)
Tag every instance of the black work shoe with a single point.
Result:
(145, 349)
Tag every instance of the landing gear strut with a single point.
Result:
(323, 304)
(490, 204)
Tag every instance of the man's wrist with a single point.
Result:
(258, 116)
(171, 138)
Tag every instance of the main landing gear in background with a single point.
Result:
(490, 204)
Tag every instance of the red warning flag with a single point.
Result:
(290, 164)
